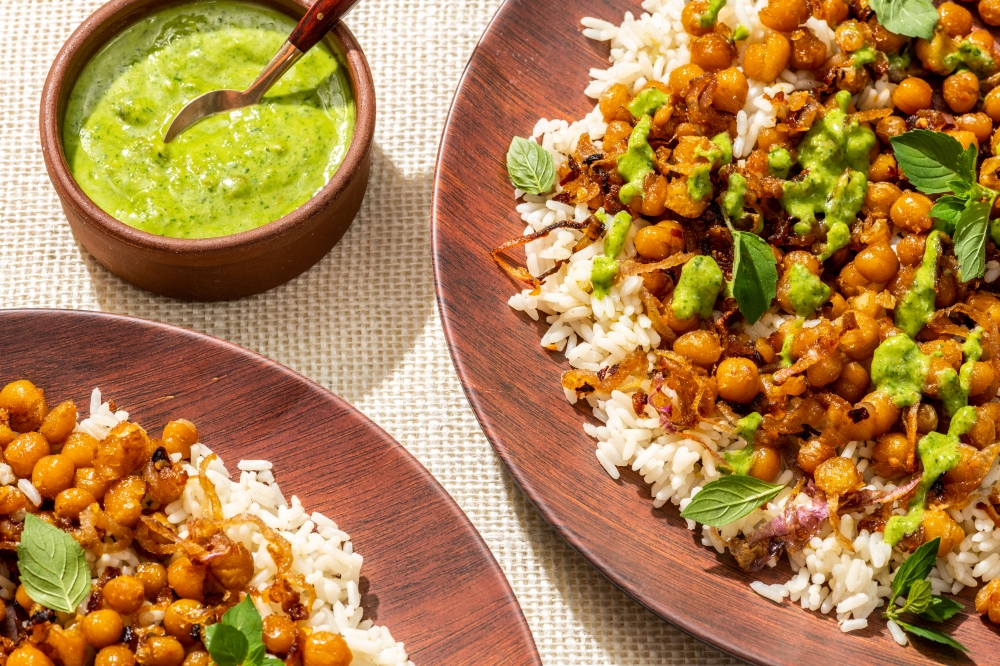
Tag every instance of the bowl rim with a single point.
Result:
(222, 249)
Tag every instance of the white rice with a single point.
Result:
(594, 334)
(323, 553)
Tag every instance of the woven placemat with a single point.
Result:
(362, 323)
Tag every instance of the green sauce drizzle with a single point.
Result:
(711, 15)
(647, 102)
(699, 182)
(741, 461)
(605, 267)
(637, 161)
(696, 291)
(734, 198)
(953, 387)
(786, 345)
(779, 162)
(899, 370)
(917, 306)
(806, 291)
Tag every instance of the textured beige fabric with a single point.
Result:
(363, 322)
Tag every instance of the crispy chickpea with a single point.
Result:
(889, 127)
(124, 594)
(927, 418)
(837, 475)
(860, 343)
(964, 137)
(764, 349)
(910, 250)
(615, 136)
(28, 655)
(26, 404)
(880, 197)
(659, 241)
(52, 475)
(766, 61)
(279, 634)
(679, 325)
(702, 347)
(187, 579)
(738, 380)
(967, 468)
(682, 77)
(198, 658)
(691, 18)
(115, 655)
(324, 648)
(180, 616)
(886, 413)
(826, 370)
(81, 449)
(123, 500)
(885, 40)
(59, 423)
(25, 451)
(983, 432)
(69, 645)
(883, 169)
(712, 52)
(912, 95)
(234, 569)
(102, 628)
(989, 11)
(179, 435)
(937, 523)
(979, 124)
(161, 651)
(991, 104)
(852, 384)
(654, 195)
(995, 142)
(950, 351)
(911, 212)
(808, 50)
(11, 500)
(22, 598)
(961, 91)
(71, 501)
(812, 454)
(87, 478)
(731, 90)
(955, 19)
(773, 136)
(987, 600)
(784, 15)
(765, 464)
(850, 35)
(981, 377)
(153, 577)
(613, 101)
(889, 455)
(877, 262)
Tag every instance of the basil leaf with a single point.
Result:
(729, 498)
(245, 617)
(930, 160)
(932, 635)
(915, 567)
(913, 18)
(53, 566)
(755, 278)
(919, 597)
(970, 239)
(226, 644)
(530, 167)
(941, 609)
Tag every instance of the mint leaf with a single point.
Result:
(53, 566)
(755, 278)
(941, 609)
(729, 498)
(932, 635)
(245, 617)
(948, 209)
(915, 567)
(913, 18)
(530, 167)
(970, 239)
(919, 597)
(226, 644)
(931, 160)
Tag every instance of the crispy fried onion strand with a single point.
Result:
(618, 377)
(695, 391)
(520, 272)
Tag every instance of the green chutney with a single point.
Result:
(231, 172)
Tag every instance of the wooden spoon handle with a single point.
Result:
(318, 21)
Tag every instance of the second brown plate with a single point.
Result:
(533, 62)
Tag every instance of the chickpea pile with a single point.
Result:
(101, 492)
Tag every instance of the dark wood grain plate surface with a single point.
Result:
(533, 62)
(428, 576)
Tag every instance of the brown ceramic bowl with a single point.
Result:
(211, 269)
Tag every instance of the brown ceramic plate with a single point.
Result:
(533, 62)
(428, 576)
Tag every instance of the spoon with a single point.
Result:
(319, 20)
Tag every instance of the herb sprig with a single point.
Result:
(911, 581)
(913, 18)
(755, 278)
(530, 167)
(53, 566)
(239, 638)
(936, 163)
(730, 498)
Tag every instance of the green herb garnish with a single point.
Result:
(755, 278)
(935, 163)
(911, 582)
(530, 167)
(238, 638)
(912, 18)
(53, 566)
(729, 498)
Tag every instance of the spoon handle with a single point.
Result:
(321, 17)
